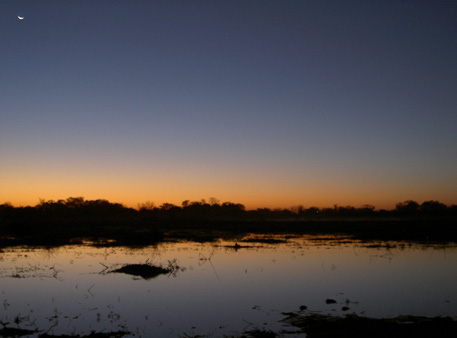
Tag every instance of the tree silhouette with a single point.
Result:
(433, 208)
(407, 208)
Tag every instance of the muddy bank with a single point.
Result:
(319, 326)
(354, 326)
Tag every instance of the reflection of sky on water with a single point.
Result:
(221, 287)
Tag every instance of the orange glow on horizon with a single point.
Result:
(250, 204)
(21, 188)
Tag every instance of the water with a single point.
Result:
(221, 289)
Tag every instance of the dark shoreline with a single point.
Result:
(75, 220)
(135, 233)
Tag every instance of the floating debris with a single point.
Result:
(237, 247)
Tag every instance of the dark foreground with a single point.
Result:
(317, 325)
(313, 325)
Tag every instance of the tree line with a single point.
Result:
(212, 209)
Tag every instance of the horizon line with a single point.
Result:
(215, 201)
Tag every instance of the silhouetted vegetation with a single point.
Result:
(76, 220)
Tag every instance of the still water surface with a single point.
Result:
(221, 289)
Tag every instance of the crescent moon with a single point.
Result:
(20, 17)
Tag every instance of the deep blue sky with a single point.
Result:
(266, 103)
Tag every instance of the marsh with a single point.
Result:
(223, 287)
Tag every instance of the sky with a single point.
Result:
(265, 103)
